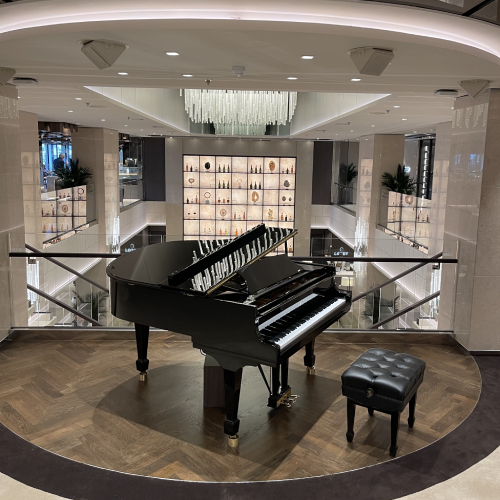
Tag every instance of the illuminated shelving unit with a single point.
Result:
(225, 196)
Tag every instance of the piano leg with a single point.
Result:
(232, 387)
(142, 338)
(310, 358)
(280, 390)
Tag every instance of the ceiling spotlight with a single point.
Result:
(307, 57)
(19, 97)
(292, 78)
(317, 138)
(70, 111)
(373, 125)
(78, 98)
(352, 130)
(396, 106)
(103, 120)
(187, 76)
(125, 125)
(355, 79)
(170, 137)
(404, 119)
(123, 73)
(172, 53)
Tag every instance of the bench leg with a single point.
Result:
(370, 412)
(351, 413)
(394, 432)
(411, 418)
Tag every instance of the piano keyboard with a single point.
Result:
(297, 320)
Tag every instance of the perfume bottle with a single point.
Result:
(243, 215)
(52, 209)
(228, 168)
(220, 232)
(427, 218)
(236, 232)
(227, 185)
(218, 201)
(196, 199)
(290, 249)
(286, 218)
(234, 216)
(44, 228)
(225, 231)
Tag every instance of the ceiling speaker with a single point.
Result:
(103, 53)
(6, 74)
(371, 60)
(474, 87)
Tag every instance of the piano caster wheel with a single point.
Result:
(233, 441)
(143, 376)
(311, 370)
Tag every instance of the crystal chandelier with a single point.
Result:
(237, 109)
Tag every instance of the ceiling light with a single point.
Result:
(103, 120)
(170, 137)
(70, 111)
(307, 57)
(373, 125)
(397, 106)
(404, 119)
(172, 53)
(292, 78)
(123, 73)
(187, 76)
(355, 79)
(415, 131)
(19, 97)
(317, 138)
(142, 130)
(352, 130)
(78, 98)
(125, 125)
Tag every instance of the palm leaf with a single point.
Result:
(73, 175)
(400, 183)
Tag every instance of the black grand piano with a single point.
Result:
(240, 308)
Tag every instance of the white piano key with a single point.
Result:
(195, 257)
(265, 242)
(258, 247)
(201, 248)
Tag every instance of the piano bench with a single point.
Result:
(384, 381)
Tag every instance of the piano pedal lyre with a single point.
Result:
(233, 441)
(143, 376)
(290, 400)
(311, 370)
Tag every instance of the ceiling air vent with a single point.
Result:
(446, 93)
(24, 81)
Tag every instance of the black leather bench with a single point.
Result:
(384, 381)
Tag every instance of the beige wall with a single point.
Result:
(472, 224)
(13, 295)
(303, 150)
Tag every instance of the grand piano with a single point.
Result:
(238, 307)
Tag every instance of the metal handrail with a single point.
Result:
(63, 305)
(395, 278)
(430, 260)
(405, 310)
(67, 268)
(67, 254)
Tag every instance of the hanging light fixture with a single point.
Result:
(240, 109)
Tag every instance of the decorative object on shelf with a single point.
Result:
(238, 183)
(270, 214)
(251, 186)
(290, 199)
(286, 184)
(367, 185)
(207, 165)
(223, 212)
(191, 180)
(65, 208)
(409, 200)
(260, 169)
(251, 169)
(283, 198)
(187, 168)
(191, 169)
(224, 168)
(239, 107)
(255, 197)
(400, 183)
(260, 185)
(292, 173)
(207, 198)
(272, 166)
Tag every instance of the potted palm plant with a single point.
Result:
(400, 183)
(347, 174)
(72, 175)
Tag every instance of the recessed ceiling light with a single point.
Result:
(172, 53)
(404, 119)
(170, 137)
(355, 79)
(125, 125)
(78, 98)
(70, 111)
(123, 73)
(103, 120)
(292, 78)
(415, 131)
(352, 130)
(452, 107)
(307, 57)
(19, 97)
(188, 76)
(373, 125)
(317, 138)
(397, 106)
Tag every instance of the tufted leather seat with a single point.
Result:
(385, 381)
(391, 377)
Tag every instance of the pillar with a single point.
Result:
(469, 297)
(13, 292)
(97, 148)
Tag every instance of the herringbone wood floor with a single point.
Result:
(83, 400)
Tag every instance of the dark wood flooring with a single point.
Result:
(83, 400)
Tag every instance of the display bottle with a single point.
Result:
(251, 169)
(191, 169)
(187, 200)
(281, 216)
(67, 227)
(42, 211)
(236, 231)
(251, 186)
(292, 169)
(227, 185)
(220, 231)
(52, 210)
(260, 185)
(228, 168)
(224, 168)
(260, 169)
(287, 171)
(243, 215)
(225, 231)
(218, 201)
(196, 199)
(290, 249)
(234, 216)
(187, 168)
(286, 218)
(223, 185)
(62, 227)
(427, 218)
(418, 217)
(219, 184)
(224, 200)
(52, 228)
(219, 167)
(44, 228)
